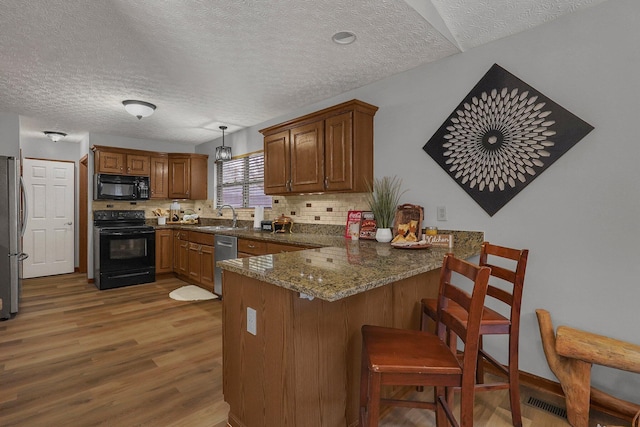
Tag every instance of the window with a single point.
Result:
(240, 182)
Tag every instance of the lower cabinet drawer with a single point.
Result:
(276, 248)
(202, 238)
(253, 247)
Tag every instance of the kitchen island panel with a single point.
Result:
(249, 382)
(303, 367)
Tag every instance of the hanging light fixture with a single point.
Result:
(54, 136)
(139, 109)
(223, 153)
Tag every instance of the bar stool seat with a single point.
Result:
(402, 357)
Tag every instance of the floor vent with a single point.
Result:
(546, 406)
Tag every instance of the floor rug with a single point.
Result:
(191, 293)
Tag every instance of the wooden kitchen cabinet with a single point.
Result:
(277, 158)
(294, 161)
(200, 259)
(248, 247)
(181, 253)
(207, 267)
(164, 251)
(327, 151)
(195, 261)
(171, 176)
(277, 248)
(188, 176)
(111, 160)
(159, 179)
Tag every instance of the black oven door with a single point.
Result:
(127, 257)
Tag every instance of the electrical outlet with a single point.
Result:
(441, 213)
(252, 322)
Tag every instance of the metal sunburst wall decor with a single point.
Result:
(501, 137)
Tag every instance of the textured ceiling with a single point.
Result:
(67, 65)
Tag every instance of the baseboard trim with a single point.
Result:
(548, 386)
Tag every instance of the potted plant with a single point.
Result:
(383, 198)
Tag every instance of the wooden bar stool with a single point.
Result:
(405, 357)
(495, 323)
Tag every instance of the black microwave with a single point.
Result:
(121, 187)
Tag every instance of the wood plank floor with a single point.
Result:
(76, 356)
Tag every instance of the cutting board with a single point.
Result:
(407, 213)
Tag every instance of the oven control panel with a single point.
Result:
(116, 215)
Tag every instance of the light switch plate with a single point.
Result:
(441, 213)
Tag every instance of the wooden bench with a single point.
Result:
(570, 354)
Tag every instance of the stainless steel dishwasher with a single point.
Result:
(226, 247)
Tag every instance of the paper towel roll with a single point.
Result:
(258, 216)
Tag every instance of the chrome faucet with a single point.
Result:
(235, 216)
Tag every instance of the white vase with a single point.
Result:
(383, 235)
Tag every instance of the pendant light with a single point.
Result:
(223, 153)
(139, 109)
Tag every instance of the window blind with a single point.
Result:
(240, 182)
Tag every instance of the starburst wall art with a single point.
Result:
(501, 137)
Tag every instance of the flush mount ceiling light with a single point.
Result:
(139, 109)
(54, 136)
(223, 153)
(344, 37)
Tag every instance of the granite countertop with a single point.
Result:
(337, 267)
(343, 267)
(300, 239)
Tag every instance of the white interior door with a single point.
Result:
(49, 237)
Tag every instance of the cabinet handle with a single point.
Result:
(326, 183)
(289, 185)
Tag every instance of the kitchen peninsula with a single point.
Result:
(291, 325)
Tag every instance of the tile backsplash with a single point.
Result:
(319, 208)
(305, 209)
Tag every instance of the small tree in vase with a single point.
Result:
(384, 198)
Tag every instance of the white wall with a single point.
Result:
(44, 148)
(139, 144)
(242, 141)
(580, 218)
(9, 135)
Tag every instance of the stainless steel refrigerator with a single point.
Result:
(12, 226)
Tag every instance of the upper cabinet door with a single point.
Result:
(276, 163)
(138, 165)
(179, 177)
(307, 159)
(110, 163)
(338, 153)
(188, 176)
(159, 177)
